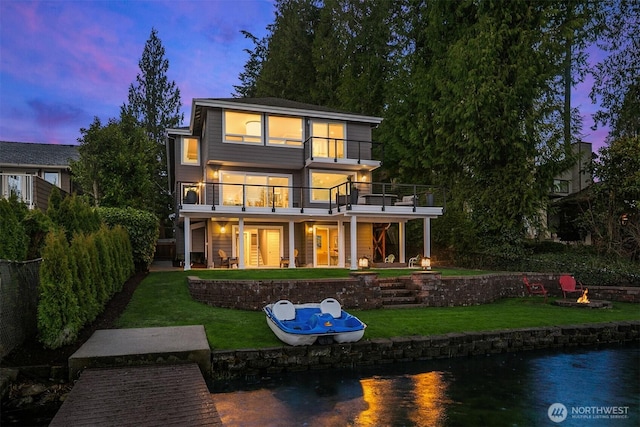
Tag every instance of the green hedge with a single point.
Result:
(78, 279)
(14, 242)
(587, 267)
(143, 229)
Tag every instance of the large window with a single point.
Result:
(255, 190)
(190, 151)
(242, 127)
(322, 182)
(285, 131)
(328, 139)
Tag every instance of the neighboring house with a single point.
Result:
(30, 171)
(567, 191)
(263, 179)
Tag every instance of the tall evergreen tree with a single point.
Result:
(249, 77)
(155, 103)
(288, 71)
(617, 77)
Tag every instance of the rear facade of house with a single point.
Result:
(258, 181)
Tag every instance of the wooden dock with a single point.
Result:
(165, 395)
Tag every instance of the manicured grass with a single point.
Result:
(162, 299)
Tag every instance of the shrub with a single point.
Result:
(83, 281)
(58, 314)
(36, 224)
(143, 230)
(74, 214)
(106, 262)
(14, 241)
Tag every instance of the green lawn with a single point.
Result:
(162, 299)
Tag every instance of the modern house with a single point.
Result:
(266, 182)
(30, 171)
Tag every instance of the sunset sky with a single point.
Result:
(63, 62)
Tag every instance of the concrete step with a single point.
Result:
(400, 292)
(399, 300)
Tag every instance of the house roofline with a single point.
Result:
(290, 111)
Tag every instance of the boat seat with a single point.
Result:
(284, 310)
(332, 307)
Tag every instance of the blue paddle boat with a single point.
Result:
(304, 324)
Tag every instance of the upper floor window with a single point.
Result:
(52, 177)
(328, 139)
(560, 186)
(190, 151)
(285, 131)
(242, 127)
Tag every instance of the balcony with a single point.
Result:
(357, 197)
(341, 154)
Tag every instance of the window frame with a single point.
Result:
(269, 138)
(226, 134)
(266, 176)
(183, 151)
(312, 189)
(52, 172)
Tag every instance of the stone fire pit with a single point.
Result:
(590, 304)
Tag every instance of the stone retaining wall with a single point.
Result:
(362, 290)
(256, 363)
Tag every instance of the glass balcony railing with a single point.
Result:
(337, 198)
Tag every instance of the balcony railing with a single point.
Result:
(343, 196)
(30, 189)
(336, 148)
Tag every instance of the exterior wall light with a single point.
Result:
(363, 263)
(223, 229)
(624, 219)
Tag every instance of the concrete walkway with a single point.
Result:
(138, 377)
(108, 348)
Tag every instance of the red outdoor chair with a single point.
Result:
(569, 284)
(534, 288)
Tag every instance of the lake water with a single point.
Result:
(584, 387)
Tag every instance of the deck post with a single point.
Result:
(353, 234)
(401, 240)
(292, 244)
(240, 243)
(187, 243)
(427, 237)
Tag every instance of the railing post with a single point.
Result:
(213, 196)
(244, 197)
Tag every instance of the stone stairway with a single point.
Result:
(395, 293)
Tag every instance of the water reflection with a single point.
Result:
(500, 390)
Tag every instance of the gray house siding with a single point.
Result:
(358, 132)
(268, 157)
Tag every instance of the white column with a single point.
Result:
(401, 239)
(354, 243)
(187, 243)
(240, 243)
(209, 248)
(292, 244)
(427, 237)
(341, 247)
